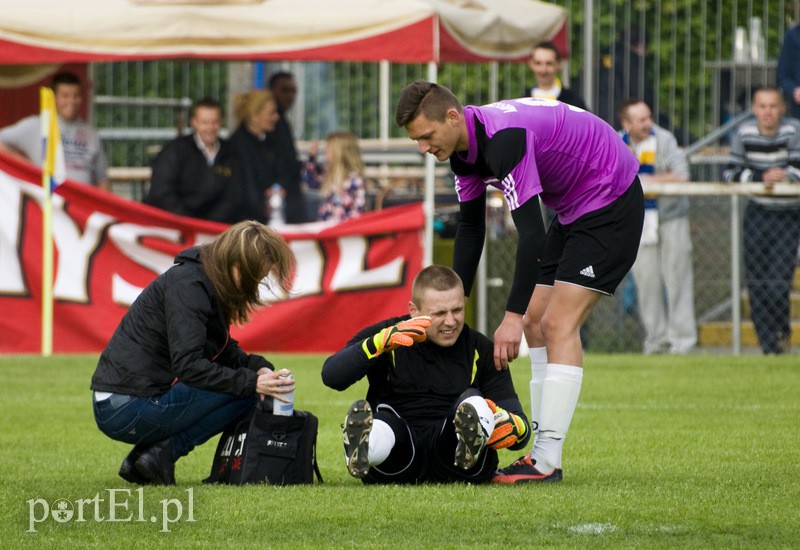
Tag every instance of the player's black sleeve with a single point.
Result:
(470, 233)
(505, 150)
(530, 246)
(349, 365)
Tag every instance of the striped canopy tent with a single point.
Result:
(409, 31)
(43, 31)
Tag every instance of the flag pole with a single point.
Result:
(50, 135)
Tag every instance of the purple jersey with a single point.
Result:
(525, 147)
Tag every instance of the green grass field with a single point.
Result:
(695, 452)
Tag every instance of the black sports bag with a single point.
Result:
(268, 448)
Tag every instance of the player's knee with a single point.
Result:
(532, 328)
(554, 329)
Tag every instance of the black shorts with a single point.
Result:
(597, 250)
(424, 453)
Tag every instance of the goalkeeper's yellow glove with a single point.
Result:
(405, 333)
(508, 428)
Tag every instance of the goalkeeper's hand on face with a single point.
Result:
(405, 333)
(510, 430)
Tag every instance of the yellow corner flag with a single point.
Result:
(53, 165)
(53, 173)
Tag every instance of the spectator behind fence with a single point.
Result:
(768, 150)
(257, 113)
(199, 175)
(789, 70)
(83, 152)
(281, 143)
(436, 408)
(171, 377)
(663, 270)
(545, 63)
(626, 70)
(342, 187)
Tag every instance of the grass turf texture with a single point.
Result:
(696, 452)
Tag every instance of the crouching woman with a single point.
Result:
(171, 377)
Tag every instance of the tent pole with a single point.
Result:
(588, 53)
(481, 307)
(384, 68)
(430, 169)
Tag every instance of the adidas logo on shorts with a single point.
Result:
(588, 272)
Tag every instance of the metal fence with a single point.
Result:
(697, 63)
(721, 289)
(697, 72)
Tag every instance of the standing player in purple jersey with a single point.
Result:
(530, 148)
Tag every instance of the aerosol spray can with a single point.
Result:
(281, 408)
(275, 205)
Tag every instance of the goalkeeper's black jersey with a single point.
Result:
(422, 382)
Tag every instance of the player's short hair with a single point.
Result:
(434, 277)
(249, 251)
(427, 99)
(622, 111)
(205, 103)
(65, 77)
(547, 45)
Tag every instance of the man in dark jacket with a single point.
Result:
(626, 70)
(199, 175)
(282, 148)
(441, 409)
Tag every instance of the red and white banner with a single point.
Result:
(108, 249)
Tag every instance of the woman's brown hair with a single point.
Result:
(245, 257)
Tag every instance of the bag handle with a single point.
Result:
(316, 469)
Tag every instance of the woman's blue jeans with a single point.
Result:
(189, 416)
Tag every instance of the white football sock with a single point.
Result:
(381, 442)
(485, 414)
(560, 392)
(538, 373)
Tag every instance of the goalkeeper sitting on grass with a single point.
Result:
(436, 409)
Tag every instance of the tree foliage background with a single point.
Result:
(687, 38)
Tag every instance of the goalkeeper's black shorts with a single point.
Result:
(424, 452)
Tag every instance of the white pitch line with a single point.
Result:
(687, 406)
(593, 528)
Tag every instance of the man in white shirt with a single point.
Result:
(83, 152)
